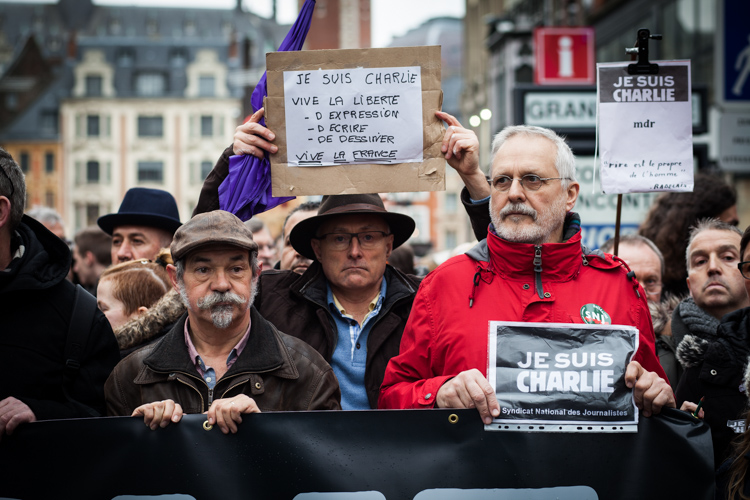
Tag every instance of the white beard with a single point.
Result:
(545, 223)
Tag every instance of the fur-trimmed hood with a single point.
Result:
(661, 312)
(151, 324)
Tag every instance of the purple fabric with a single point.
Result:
(247, 189)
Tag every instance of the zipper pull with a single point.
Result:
(538, 270)
(210, 397)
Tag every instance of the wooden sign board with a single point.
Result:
(350, 121)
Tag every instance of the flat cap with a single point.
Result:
(211, 228)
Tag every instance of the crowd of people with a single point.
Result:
(213, 316)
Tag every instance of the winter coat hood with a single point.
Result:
(45, 261)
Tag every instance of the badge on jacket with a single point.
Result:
(593, 314)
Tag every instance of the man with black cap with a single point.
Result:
(222, 346)
(145, 223)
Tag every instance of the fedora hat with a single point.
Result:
(402, 226)
(144, 207)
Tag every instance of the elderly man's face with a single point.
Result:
(714, 281)
(522, 215)
(290, 259)
(218, 286)
(646, 265)
(353, 268)
(266, 248)
(138, 242)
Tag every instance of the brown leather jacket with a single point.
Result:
(280, 372)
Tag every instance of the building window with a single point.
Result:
(206, 167)
(150, 126)
(48, 122)
(92, 172)
(92, 213)
(206, 86)
(178, 57)
(49, 199)
(150, 84)
(150, 171)
(94, 86)
(451, 203)
(24, 162)
(451, 240)
(49, 163)
(125, 57)
(92, 125)
(207, 126)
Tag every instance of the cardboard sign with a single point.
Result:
(550, 375)
(355, 121)
(645, 128)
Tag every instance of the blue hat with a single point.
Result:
(144, 207)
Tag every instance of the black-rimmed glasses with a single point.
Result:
(744, 268)
(366, 239)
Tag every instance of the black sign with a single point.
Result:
(359, 455)
(563, 374)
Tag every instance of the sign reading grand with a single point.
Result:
(563, 374)
(355, 121)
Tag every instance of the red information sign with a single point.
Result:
(564, 56)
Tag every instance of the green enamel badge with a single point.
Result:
(593, 314)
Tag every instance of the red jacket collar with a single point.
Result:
(560, 261)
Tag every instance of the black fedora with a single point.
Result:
(144, 207)
(402, 226)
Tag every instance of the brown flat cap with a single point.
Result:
(211, 228)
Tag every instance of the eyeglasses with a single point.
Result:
(12, 188)
(652, 287)
(744, 268)
(366, 239)
(530, 182)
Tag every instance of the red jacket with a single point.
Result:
(448, 326)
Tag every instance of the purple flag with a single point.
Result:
(247, 189)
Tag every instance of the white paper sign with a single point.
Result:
(353, 116)
(645, 128)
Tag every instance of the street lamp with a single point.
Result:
(474, 121)
(485, 114)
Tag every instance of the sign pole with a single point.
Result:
(640, 49)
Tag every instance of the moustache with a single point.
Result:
(518, 208)
(215, 298)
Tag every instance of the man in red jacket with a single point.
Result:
(531, 268)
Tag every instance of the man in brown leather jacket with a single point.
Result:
(222, 357)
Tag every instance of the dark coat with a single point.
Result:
(298, 305)
(716, 370)
(36, 305)
(277, 371)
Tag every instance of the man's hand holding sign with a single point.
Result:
(532, 269)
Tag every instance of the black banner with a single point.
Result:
(563, 373)
(399, 454)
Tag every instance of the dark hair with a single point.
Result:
(402, 258)
(744, 242)
(308, 206)
(707, 225)
(13, 187)
(669, 220)
(93, 239)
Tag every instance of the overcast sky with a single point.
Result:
(389, 17)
